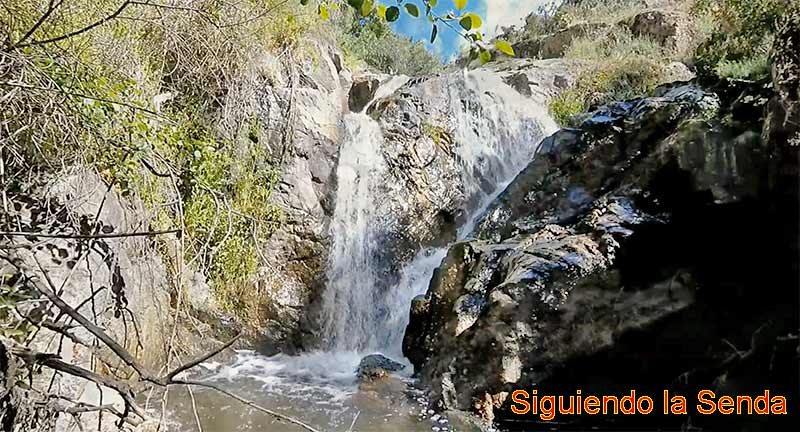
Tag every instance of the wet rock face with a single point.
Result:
(620, 238)
(435, 142)
(424, 197)
(362, 92)
(312, 100)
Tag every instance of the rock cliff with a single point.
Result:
(652, 220)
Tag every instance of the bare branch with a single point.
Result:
(54, 362)
(171, 375)
(51, 7)
(247, 402)
(81, 95)
(87, 236)
(97, 23)
(121, 352)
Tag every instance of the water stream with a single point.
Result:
(497, 131)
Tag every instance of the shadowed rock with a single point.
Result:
(375, 367)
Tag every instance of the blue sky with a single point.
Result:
(495, 13)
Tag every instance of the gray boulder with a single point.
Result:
(669, 28)
(375, 367)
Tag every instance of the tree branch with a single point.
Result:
(81, 95)
(54, 362)
(51, 7)
(97, 23)
(171, 375)
(87, 236)
(121, 352)
(247, 402)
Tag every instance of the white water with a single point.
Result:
(496, 133)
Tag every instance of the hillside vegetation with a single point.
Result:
(158, 100)
(627, 47)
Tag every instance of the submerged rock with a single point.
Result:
(375, 367)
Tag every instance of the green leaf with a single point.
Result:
(476, 20)
(485, 56)
(412, 10)
(382, 11)
(392, 13)
(324, 13)
(466, 22)
(461, 4)
(505, 48)
(366, 8)
(434, 33)
(433, 3)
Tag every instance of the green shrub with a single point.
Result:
(615, 66)
(371, 41)
(756, 68)
(602, 11)
(741, 35)
(566, 105)
(86, 102)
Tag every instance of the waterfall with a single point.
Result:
(365, 308)
(496, 132)
(349, 300)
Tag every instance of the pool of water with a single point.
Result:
(319, 389)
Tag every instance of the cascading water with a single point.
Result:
(496, 132)
(349, 302)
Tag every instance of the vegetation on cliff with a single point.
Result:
(162, 103)
(628, 48)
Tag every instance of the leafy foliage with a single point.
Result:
(742, 35)
(88, 100)
(566, 105)
(469, 22)
(15, 294)
(617, 66)
(371, 41)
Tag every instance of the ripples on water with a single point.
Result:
(317, 388)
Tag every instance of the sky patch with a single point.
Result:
(448, 44)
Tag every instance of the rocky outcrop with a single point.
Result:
(556, 45)
(553, 45)
(426, 153)
(427, 126)
(301, 112)
(619, 238)
(662, 21)
(670, 29)
(120, 284)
